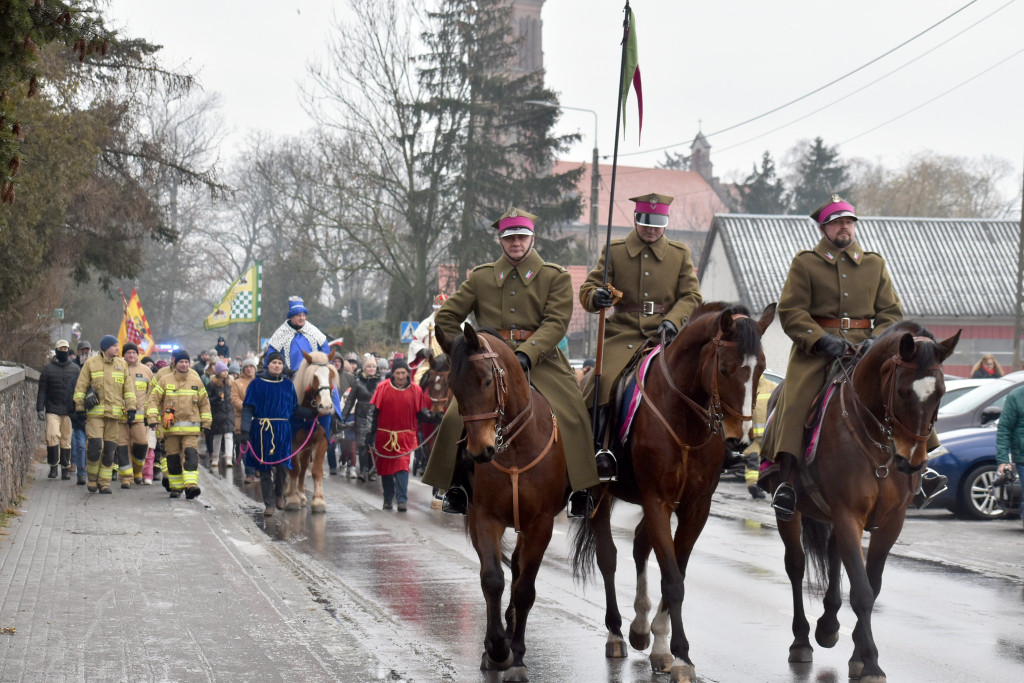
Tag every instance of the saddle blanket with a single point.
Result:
(631, 396)
(811, 436)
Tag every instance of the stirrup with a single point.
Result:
(784, 501)
(930, 485)
(455, 501)
(576, 501)
(607, 466)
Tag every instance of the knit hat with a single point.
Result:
(107, 341)
(399, 364)
(129, 347)
(179, 354)
(382, 365)
(84, 345)
(276, 355)
(250, 361)
(145, 359)
(295, 306)
(161, 364)
(220, 367)
(234, 369)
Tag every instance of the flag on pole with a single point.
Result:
(631, 75)
(134, 327)
(241, 303)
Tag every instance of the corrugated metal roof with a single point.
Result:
(941, 267)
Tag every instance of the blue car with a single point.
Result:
(968, 458)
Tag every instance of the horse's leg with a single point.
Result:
(317, 468)
(606, 560)
(485, 532)
(659, 531)
(640, 628)
(307, 455)
(524, 589)
(826, 633)
(800, 650)
(882, 540)
(864, 662)
(510, 611)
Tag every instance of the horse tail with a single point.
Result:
(815, 541)
(584, 549)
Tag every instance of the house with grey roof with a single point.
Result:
(950, 274)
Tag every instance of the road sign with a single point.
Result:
(408, 328)
(58, 313)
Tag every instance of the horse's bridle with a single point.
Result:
(889, 421)
(444, 401)
(315, 402)
(519, 422)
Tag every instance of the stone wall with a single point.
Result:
(20, 430)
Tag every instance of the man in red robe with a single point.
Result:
(399, 404)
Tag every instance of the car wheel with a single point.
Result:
(976, 499)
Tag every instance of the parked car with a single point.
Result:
(979, 406)
(955, 388)
(968, 458)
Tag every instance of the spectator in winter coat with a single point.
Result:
(359, 400)
(78, 422)
(223, 352)
(986, 368)
(222, 430)
(1010, 434)
(238, 389)
(52, 406)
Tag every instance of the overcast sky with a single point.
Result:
(706, 64)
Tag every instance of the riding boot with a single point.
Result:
(607, 469)
(931, 484)
(52, 454)
(455, 501)
(784, 499)
(580, 504)
(267, 488)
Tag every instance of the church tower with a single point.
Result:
(526, 24)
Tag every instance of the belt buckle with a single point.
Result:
(648, 308)
(512, 333)
(844, 323)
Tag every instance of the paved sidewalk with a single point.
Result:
(136, 586)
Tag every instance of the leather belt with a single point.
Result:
(844, 323)
(515, 335)
(644, 308)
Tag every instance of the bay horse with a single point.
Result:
(871, 449)
(314, 382)
(698, 399)
(518, 481)
(435, 385)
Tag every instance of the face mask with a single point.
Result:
(62, 356)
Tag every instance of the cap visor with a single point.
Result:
(515, 231)
(652, 220)
(840, 214)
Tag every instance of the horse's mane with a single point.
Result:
(748, 337)
(303, 377)
(926, 353)
(458, 354)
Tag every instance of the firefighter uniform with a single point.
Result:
(107, 377)
(765, 387)
(178, 401)
(136, 435)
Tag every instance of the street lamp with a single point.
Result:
(592, 232)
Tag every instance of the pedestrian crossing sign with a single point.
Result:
(408, 328)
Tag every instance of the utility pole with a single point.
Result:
(1017, 361)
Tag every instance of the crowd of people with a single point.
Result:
(118, 417)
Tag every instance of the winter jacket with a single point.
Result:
(1010, 434)
(108, 377)
(238, 389)
(187, 396)
(359, 398)
(220, 406)
(142, 376)
(53, 392)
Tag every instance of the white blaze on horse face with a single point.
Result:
(323, 379)
(924, 388)
(748, 397)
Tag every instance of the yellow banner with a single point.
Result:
(134, 327)
(241, 304)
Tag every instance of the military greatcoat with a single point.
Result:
(660, 272)
(534, 296)
(824, 282)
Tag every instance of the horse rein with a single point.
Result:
(315, 402)
(519, 422)
(885, 426)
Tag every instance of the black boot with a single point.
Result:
(607, 468)
(65, 464)
(784, 501)
(267, 489)
(932, 484)
(580, 504)
(52, 454)
(455, 501)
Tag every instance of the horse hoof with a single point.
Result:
(856, 668)
(319, 505)
(488, 664)
(515, 673)
(661, 663)
(639, 641)
(616, 648)
(292, 505)
(683, 673)
(826, 639)
(800, 654)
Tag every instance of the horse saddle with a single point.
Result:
(627, 390)
(838, 371)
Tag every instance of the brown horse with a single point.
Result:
(510, 426)
(697, 401)
(872, 447)
(435, 384)
(314, 382)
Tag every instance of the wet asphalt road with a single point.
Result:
(410, 583)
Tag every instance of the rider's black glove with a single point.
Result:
(669, 328)
(831, 346)
(863, 347)
(524, 361)
(602, 298)
(131, 417)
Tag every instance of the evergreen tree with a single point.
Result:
(820, 174)
(676, 161)
(762, 191)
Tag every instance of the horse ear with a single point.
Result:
(442, 339)
(306, 356)
(767, 317)
(907, 347)
(948, 345)
(471, 337)
(725, 322)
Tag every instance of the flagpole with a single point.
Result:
(599, 356)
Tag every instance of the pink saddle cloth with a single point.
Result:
(631, 397)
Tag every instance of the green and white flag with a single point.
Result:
(241, 303)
